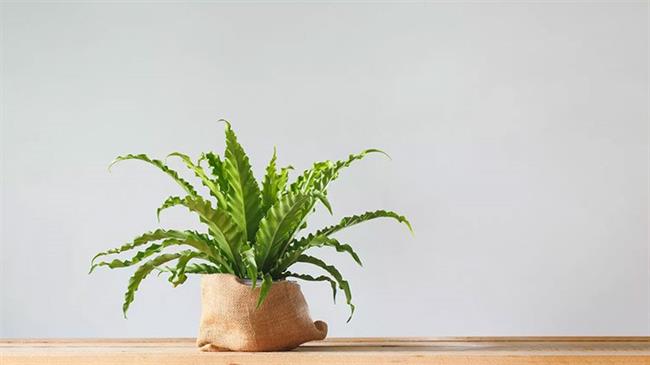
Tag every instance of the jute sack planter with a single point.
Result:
(230, 320)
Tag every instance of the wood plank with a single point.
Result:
(442, 351)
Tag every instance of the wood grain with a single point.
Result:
(440, 351)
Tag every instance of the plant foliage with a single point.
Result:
(251, 230)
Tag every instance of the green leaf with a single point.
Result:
(316, 278)
(211, 248)
(330, 174)
(269, 184)
(178, 277)
(264, 290)
(343, 284)
(332, 242)
(323, 199)
(218, 171)
(212, 186)
(304, 181)
(244, 196)
(159, 164)
(192, 268)
(294, 250)
(298, 247)
(248, 255)
(196, 240)
(324, 172)
(226, 233)
(283, 178)
(143, 239)
(343, 248)
(278, 226)
(356, 219)
(141, 255)
(321, 238)
(317, 179)
(200, 268)
(274, 183)
(170, 202)
(142, 273)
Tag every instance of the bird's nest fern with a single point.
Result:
(251, 231)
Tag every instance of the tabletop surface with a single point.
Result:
(443, 351)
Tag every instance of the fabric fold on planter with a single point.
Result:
(230, 320)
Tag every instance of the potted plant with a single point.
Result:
(248, 249)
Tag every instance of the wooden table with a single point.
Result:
(443, 351)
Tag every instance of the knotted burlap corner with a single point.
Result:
(231, 321)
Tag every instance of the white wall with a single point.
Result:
(518, 132)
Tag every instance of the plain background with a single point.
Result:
(518, 134)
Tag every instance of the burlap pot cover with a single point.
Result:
(230, 320)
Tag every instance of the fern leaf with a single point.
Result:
(142, 272)
(218, 170)
(269, 192)
(274, 183)
(321, 238)
(220, 225)
(200, 268)
(343, 284)
(283, 178)
(178, 277)
(170, 202)
(264, 290)
(192, 268)
(248, 256)
(356, 219)
(212, 186)
(143, 239)
(323, 199)
(324, 172)
(244, 196)
(204, 244)
(315, 278)
(344, 248)
(297, 248)
(278, 226)
(321, 241)
(161, 165)
(303, 181)
(141, 255)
